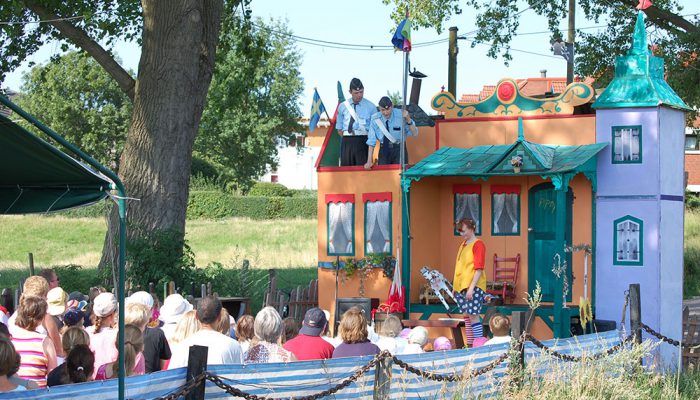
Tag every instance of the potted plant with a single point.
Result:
(516, 162)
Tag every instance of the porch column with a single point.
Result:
(406, 245)
(561, 320)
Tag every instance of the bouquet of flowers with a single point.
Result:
(516, 161)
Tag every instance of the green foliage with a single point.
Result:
(216, 204)
(253, 98)
(73, 277)
(158, 256)
(269, 189)
(76, 97)
(692, 202)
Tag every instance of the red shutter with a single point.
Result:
(505, 189)
(383, 196)
(466, 189)
(340, 198)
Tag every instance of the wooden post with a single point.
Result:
(382, 379)
(196, 365)
(31, 264)
(636, 312)
(518, 325)
(18, 293)
(209, 289)
(203, 291)
(171, 288)
(152, 288)
(193, 288)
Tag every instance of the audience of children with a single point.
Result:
(133, 364)
(70, 337)
(156, 350)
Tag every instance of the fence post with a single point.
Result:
(31, 264)
(518, 325)
(382, 378)
(203, 290)
(196, 365)
(636, 312)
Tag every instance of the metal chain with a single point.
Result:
(186, 388)
(352, 378)
(570, 358)
(451, 377)
(667, 339)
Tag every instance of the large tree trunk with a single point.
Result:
(175, 70)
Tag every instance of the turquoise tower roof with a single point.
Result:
(639, 78)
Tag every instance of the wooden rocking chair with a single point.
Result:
(505, 277)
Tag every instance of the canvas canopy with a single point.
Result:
(37, 177)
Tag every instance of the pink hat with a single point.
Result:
(442, 343)
(480, 341)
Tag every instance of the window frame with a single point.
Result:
(612, 142)
(640, 242)
(339, 198)
(506, 189)
(379, 197)
(468, 189)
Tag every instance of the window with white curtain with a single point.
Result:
(468, 205)
(505, 214)
(628, 241)
(627, 144)
(378, 227)
(341, 230)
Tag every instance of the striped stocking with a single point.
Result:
(478, 329)
(468, 332)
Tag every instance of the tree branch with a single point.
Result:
(664, 18)
(83, 41)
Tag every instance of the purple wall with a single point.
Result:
(652, 192)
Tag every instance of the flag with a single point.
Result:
(402, 36)
(644, 4)
(316, 109)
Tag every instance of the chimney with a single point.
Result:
(415, 86)
(452, 62)
(543, 73)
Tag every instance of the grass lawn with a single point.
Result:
(56, 240)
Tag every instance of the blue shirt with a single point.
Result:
(395, 121)
(364, 110)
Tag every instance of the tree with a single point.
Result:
(497, 23)
(76, 97)
(253, 98)
(178, 46)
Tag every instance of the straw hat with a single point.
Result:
(56, 298)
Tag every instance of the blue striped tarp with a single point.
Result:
(310, 377)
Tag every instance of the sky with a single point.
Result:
(368, 22)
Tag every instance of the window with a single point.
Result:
(505, 210)
(467, 204)
(377, 222)
(691, 142)
(628, 241)
(627, 144)
(340, 220)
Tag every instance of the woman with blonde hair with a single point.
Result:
(36, 350)
(185, 327)
(353, 331)
(133, 345)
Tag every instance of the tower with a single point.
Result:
(639, 201)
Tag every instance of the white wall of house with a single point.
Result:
(295, 168)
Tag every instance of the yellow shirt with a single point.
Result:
(470, 257)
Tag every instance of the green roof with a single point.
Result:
(481, 162)
(37, 177)
(639, 78)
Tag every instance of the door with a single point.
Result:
(542, 207)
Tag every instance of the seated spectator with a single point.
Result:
(4, 315)
(416, 340)
(73, 317)
(186, 327)
(133, 345)
(326, 335)
(57, 298)
(36, 350)
(92, 295)
(389, 335)
(9, 365)
(51, 278)
(174, 307)
(291, 329)
(80, 302)
(5, 334)
(442, 343)
(102, 332)
(222, 349)
(223, 325)
(156, 350)
(72, 336)
(38, 286)
(500, 328)
(245, 331)
(79, 365)
(308, 344)
(353, 331)
(268, 330)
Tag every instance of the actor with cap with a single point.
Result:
(309, 345)
(353, 125)
(385, 128)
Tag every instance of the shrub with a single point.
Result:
(692, 202)
(269, 189)
(216, 204)
(75, 277)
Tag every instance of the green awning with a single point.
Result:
(37, 177)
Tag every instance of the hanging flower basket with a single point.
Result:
(516, 170)
(516, 162)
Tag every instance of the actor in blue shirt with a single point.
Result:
(352, 124)
(385, 128)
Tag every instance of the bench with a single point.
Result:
(455, 326)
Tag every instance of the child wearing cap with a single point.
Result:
(416, 340)
(102, 334)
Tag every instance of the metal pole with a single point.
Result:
(571, 39)
(452, 62)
